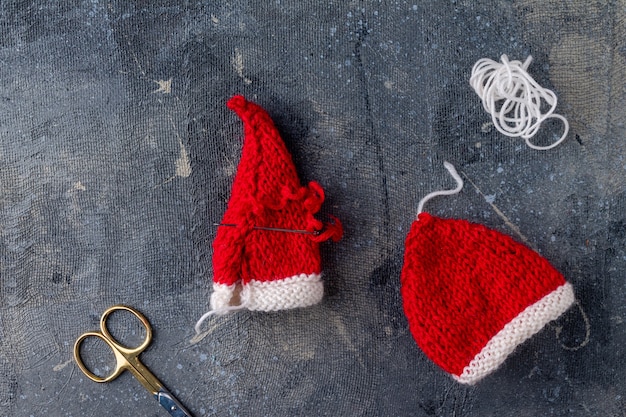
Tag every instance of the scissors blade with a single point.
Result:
(171, 404)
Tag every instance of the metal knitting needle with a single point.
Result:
(273, 229)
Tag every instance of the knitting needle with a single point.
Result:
(273, 229)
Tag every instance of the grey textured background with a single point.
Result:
(117, 154)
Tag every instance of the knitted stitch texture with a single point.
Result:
(268, 269)
(472, 294)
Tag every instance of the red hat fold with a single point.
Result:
(266, 255)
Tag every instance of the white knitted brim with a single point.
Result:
(525, 325)
(297, 291)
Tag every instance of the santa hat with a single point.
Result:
(266, 252)
(472, 295)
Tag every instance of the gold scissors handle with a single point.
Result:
(125, 358)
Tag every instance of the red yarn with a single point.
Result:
(266, 192)
(462, 283)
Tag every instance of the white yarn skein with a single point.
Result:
(519, 114)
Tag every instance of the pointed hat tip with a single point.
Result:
(248, 110)
(236, 102)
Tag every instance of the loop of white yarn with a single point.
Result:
(456, 190)
(514, 99)
(220, 311)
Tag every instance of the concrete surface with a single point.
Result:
(117, 154)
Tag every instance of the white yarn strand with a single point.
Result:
(459, 187)
(220, 311)
(519, 97)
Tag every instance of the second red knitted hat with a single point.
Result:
(472, 295)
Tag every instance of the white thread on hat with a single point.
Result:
(459, 187)
(521, 98)
(219, 312)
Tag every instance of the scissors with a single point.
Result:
(127, 359)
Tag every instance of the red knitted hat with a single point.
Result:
(266, 254)
(472, 295)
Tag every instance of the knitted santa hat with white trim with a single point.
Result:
(266, 254)
(472, 295)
